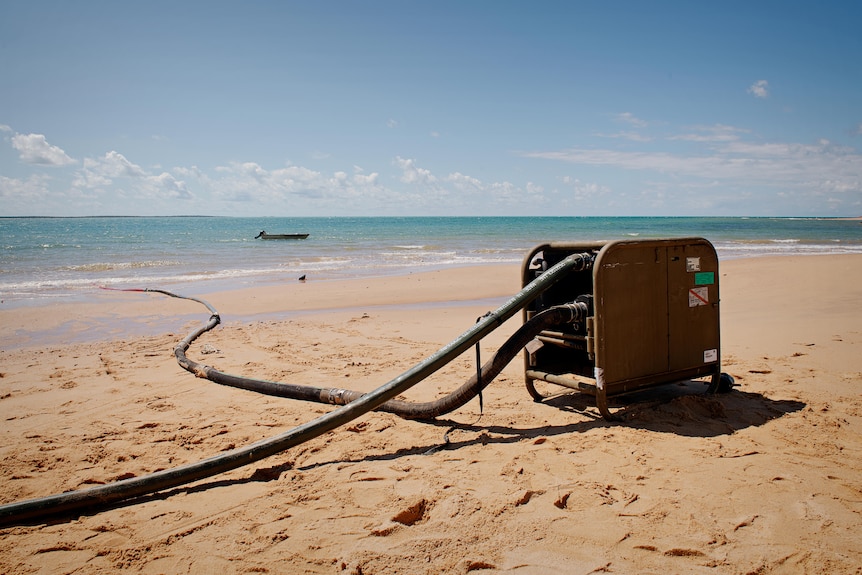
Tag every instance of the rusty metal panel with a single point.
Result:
(630, 282)
(693, 305)
(656, 311)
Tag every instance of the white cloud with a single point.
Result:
(114, 180)
(35, 149)
(116, 165)
(502, 192)
(40, 194)
(366, 180)
(456, 192)
(286, 189)
(89, 179)
(629, 118)
(585, 190)
(165, 185)
(190, 172)
(631, 136)
(760, 89)
(390, 123)
(101, 173)
(412, 174)
(250, 186)
(716, 133)
(736, 164)
(700, 169)
(464, 182)
(24, 191)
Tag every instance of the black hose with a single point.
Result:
(68, 503)
(548, 318)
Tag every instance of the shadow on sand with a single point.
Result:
(684, 409)
(681, 409)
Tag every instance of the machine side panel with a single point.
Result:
(631, 304)
(693, 305)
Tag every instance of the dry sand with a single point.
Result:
(767, 479)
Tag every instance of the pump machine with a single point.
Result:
(652, 318)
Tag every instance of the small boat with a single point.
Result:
(265, 236)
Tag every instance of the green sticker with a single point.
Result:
(704, 278)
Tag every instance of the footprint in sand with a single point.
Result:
(413, 514)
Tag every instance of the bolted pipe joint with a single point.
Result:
(582, 262)
(579, 310)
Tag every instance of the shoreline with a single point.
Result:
(61, 263)
(110, 312)
(105, 314)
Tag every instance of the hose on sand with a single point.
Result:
(65, 504)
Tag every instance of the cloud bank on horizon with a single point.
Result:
(499, 108)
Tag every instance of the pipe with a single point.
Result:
(548, 318)
(67, 503)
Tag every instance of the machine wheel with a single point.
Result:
(725, 383)
(721, 383)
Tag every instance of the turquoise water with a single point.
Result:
(45, 259)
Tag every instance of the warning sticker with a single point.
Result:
(692, 264)
(710, 355)
(698, 296)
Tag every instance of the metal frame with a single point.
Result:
(655, 318)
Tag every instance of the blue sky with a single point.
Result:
(337, 108)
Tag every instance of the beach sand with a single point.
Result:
(766, 479)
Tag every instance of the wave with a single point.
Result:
(194, 254)
(108, 266)
(784, 248)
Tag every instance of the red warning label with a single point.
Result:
(698, 296)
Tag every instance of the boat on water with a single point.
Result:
(265, 236)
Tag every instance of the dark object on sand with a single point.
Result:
(652, 319)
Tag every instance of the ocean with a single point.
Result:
(59, 259)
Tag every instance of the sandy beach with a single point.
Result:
(765, 479)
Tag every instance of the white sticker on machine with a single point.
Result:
(710, 355)
(698, 296)
(692, 264)
(600, 377)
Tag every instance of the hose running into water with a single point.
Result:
(65, 504)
